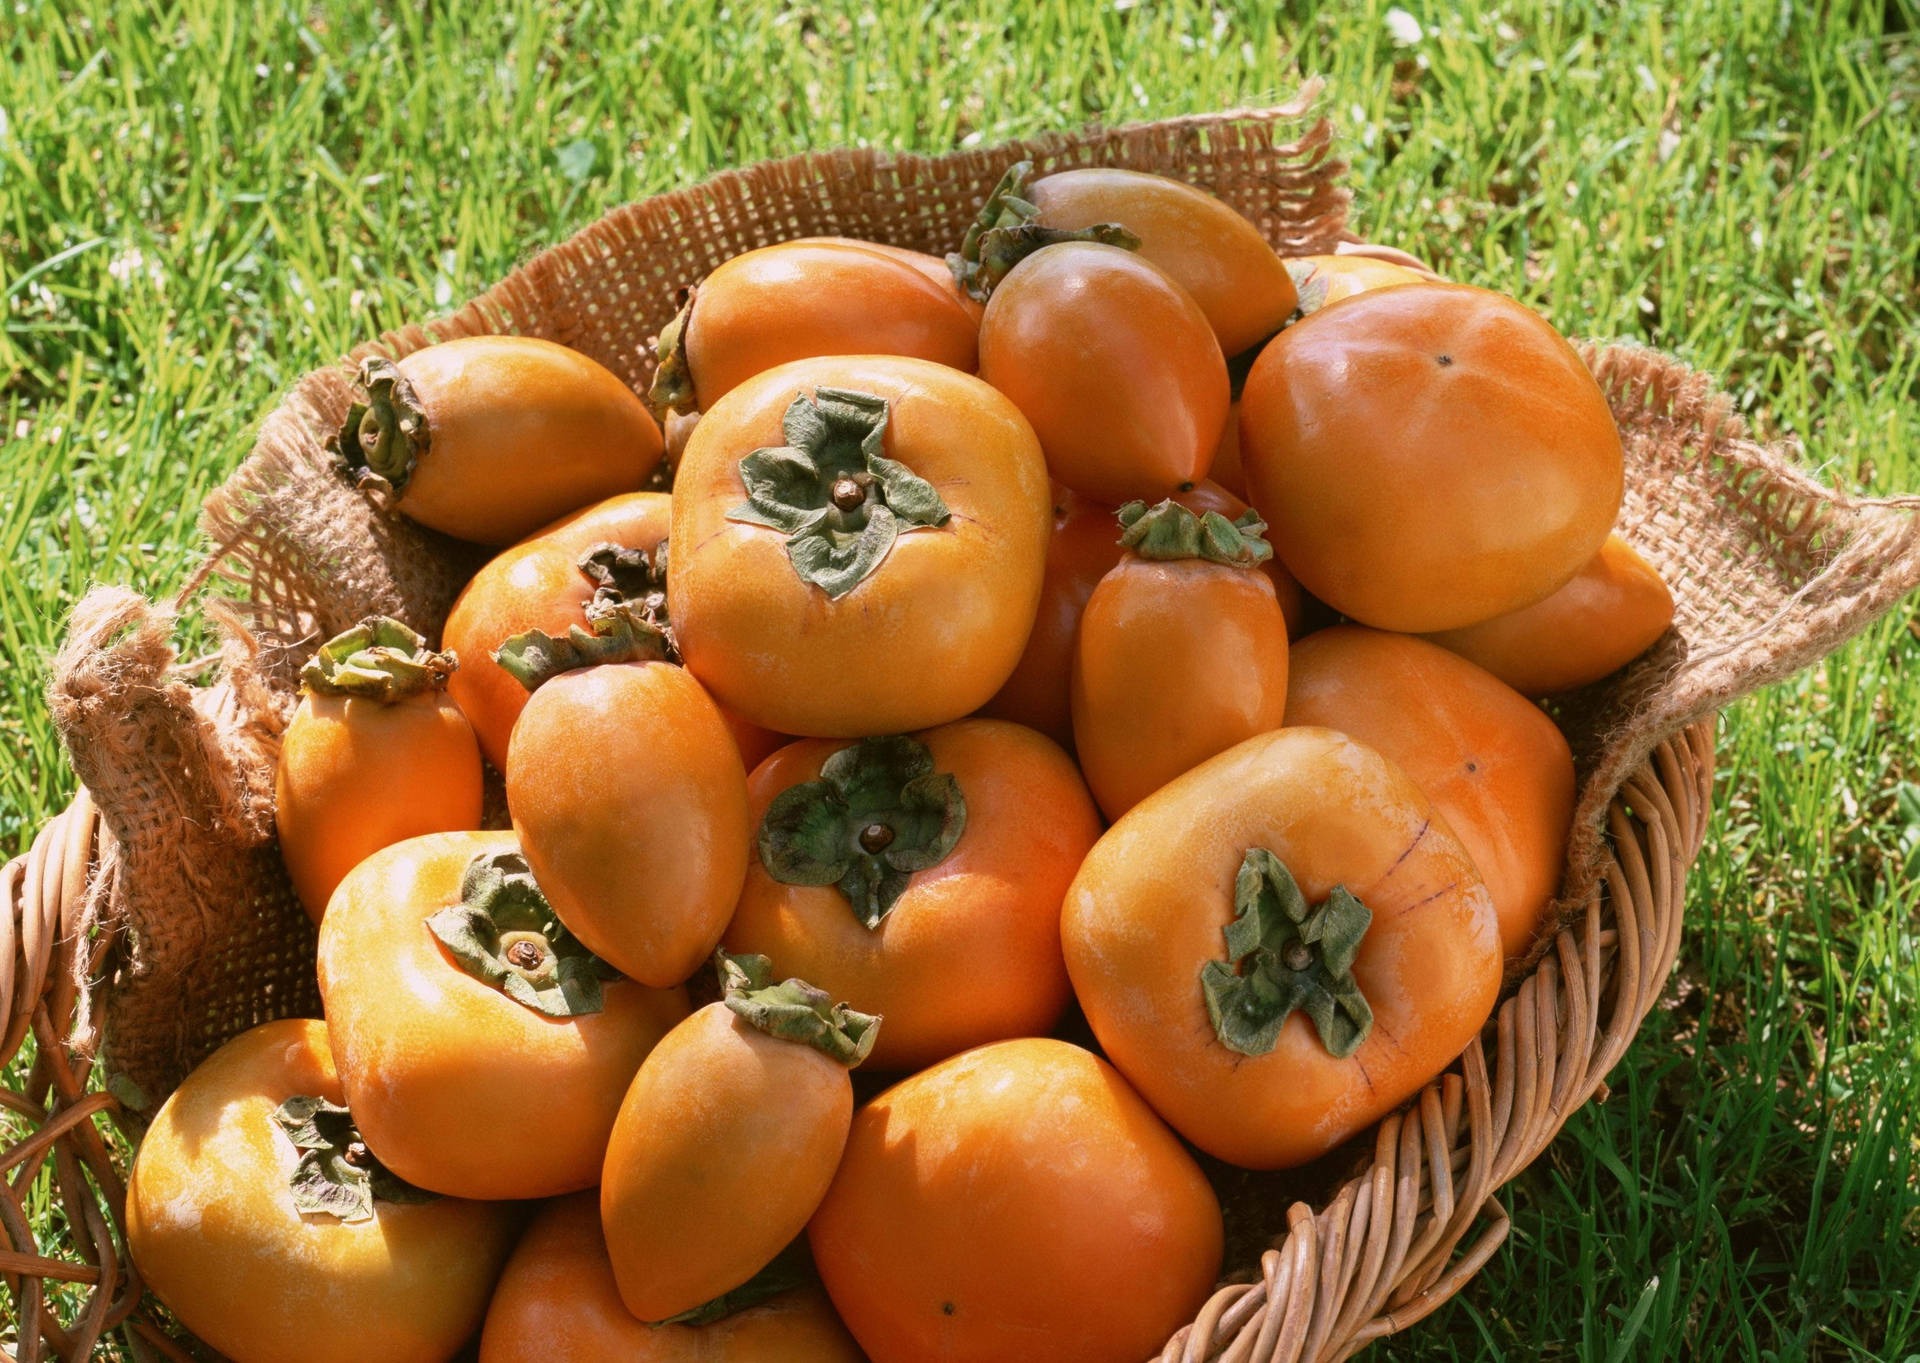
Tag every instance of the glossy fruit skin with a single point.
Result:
(1115, 366)
(637, 830)
(1343, 276)
(971, 952)
(1226, 470)
(823, 296)
(1429, 456)
(956, 1230)
(557, 1303)
(212, 1227)
(1176, 661)
(1492, 763)
(523, 431)
(1204, 246)
(457, 1087)
(1608, 615)
(1152, 900)
(725, 1144)
(938, 626)
(537, 584)
(356, 775)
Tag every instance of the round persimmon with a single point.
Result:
(1115, 366)
(1182, 652)
(727, 1139)
(1492, 763)
(1201, 244)
(920, 878)
(1016, 1201)
(483, 1049)
(1281, 946)
(801, 299)
(1608, 615)
(256, 1213)
(607, 557)
(1324, 280)
(1429, 456)
(557, 1302)
(375, 753)
(488, 438)
(858, 546)
(630, 800)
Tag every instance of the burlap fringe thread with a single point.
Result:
(167, 875)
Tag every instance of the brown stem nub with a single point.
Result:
(876, 838)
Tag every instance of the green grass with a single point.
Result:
(199, 202)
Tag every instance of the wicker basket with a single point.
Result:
(154, 912)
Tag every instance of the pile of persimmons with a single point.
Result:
(1113, 616)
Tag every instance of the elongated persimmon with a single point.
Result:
(1608, 615)
(1182, 652)
(375, 753)
(488, 438)
(256, 1212)
(734, 1124)
(1280, 946)
(807, 298)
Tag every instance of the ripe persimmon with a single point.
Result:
(735, 1124)
(1203, 245)
(1608, 615)
(1182, 652)
(1492, 763)
(258, 1215)
(1280, 947)
(1018, 1201)
(1324, 280)
(920, 878)
(483, 1049)
(858, 546)
(557, 1302)
(375, 753)
(1429, 456)
(488, 438)
(802, 299)
(1114, 364)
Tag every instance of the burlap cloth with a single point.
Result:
(1769, 569)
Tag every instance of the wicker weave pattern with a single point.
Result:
(165, 886)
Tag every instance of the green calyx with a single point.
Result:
(386, 432)
(792, 1267)
(839, 501)
(794, 1010)
(378, 659)
(1008, 230)
(626, 620)
(1170, 531)
(1282, 955)
(503, 932)
(878, 813)
(672, 387)
(337, 1175)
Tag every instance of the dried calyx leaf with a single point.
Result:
(616, 636)
(878, 813)
(378, 659)
(672, 387)
(386, 432)
(1008, 230)
(628, 582)
(1170, 531)
(1284, 954)
(792, 1267)
(1310, 287)
(337, 1175)
(794, 1010)
(503, 932)
(839, 501)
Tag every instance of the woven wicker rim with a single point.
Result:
(1383, 1253)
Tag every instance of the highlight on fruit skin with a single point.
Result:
(488, 438)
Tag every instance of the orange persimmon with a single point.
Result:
(375, 753)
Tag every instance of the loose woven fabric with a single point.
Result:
(1769, 571)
